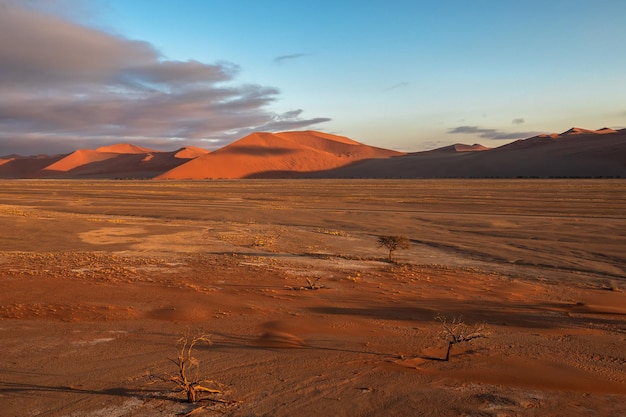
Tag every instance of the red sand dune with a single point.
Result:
(580, 131)
(190, 152)
(460, 147)
(79, 158)
(272, 155)
(119, 161)
(26, 167)
(574, 153)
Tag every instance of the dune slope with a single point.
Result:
(269, 155)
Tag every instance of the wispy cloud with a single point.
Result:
(491, 133)
(280, 122)
(281, 59)
(397, 86)
(518, 121)
(60, 79)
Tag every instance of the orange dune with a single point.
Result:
(269, 155)
(27, 167)
(119, 161)
(190, 152)
(576, 152)
(79, 158)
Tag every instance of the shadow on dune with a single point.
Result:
(531, 315)
(123, 166)
(579, 156)
(24, 167)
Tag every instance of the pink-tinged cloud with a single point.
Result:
(62, 84)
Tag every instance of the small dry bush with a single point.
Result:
(310, 285)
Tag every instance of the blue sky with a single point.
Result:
(404, 75)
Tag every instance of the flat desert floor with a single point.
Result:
(100, 279)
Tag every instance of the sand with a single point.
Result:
(101, 278)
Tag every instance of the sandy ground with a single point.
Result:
(99, 280)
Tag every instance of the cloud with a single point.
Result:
(280, 122)
(518, 121)
(281, 59)
(397, 86)
(491, 133)
(62, 83)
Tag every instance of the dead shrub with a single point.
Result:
(187, 379)
(455, 331)
(310, 285)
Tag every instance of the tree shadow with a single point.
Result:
(18, 388)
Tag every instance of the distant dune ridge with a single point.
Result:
(309, 154)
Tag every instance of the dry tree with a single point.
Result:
(393, 243)
(455, 331)
(187, 378)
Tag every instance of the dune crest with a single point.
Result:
(79, 158)
(190, 152)
(126, 148)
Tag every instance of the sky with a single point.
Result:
(407, 75)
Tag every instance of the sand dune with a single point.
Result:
(460, 147)
(269, 155)
(26, 167)
(576, 152)
(124, 148)
(116, 161)
(190, 152)
(79, 158)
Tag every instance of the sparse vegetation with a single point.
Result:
(333, 232)
(310, 285)
(263, 240)
(393, 243)
(187, 379)
(455, 331)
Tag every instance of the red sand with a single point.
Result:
(100, 279)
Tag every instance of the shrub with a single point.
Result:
(393, 243)
(455, 331)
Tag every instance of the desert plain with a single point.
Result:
(100, 279)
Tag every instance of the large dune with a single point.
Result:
(278, 155)
(15, 167)
(576, 152)
(115, 161)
